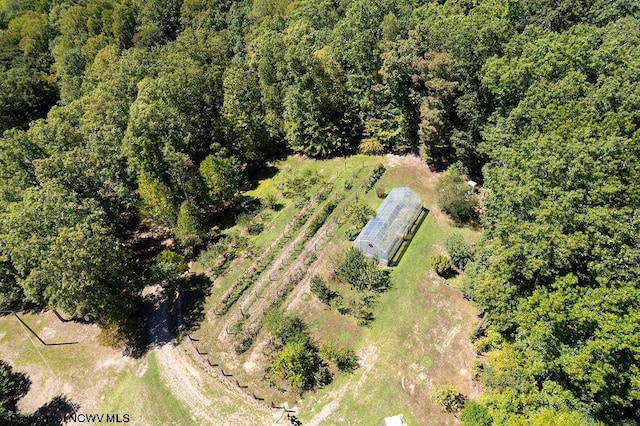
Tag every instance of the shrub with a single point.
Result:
(345, 359)
(475, 414)
(380, 192)
(255, 227)
(455, 197)
(375, 175)
(297, 364)
(440, 264)
(359, 214)
(271, 201)
(477, 367)
(321, 218)
(286, 328)
(362, 273)
(448, 397)
(458, 250)
(371, 146)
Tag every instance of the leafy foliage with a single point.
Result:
(455, 197)
(475, 414)
(320, 289)
(362, 273)
(189, 226)
(345, 359)
(441, 264)
(448, 397)
(458, 250)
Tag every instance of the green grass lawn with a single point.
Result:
(412, 319)
(146, 398)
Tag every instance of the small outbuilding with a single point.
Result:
(383, 235)
(395, 421)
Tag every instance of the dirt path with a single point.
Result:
(180, 376)
(186, 382)
(368, 356)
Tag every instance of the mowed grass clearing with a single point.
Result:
(419, 337)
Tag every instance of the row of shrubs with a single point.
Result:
(374, 177)
(249, 278)
(321, 217)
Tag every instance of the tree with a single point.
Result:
(362, 273)
(475, 414)
(168, 268)
(455, 197)
(189, 228)
(156, 200)
(24, 96)
(64, 256)
(13, 386)
(297, 364)
(222, 175)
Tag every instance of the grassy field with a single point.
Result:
(419, 337)
(146, 398)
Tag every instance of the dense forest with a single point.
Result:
(121, 112)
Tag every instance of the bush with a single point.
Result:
(475, 414)
(297, 364)
(375, 175)
(359, 214)
(477, 367)
(345, 359)
(458, 250)
(321, 218)
(286, 328)
(362, 273)
(440, 264)
(448, 397)
(380, 193)
(271, 201)
(455, 197)
(255, 227)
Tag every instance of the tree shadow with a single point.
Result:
(55, 412)
(406, 242)
(264, 172)
(195, 291)
(15, 386)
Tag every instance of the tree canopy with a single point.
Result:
(117, 115)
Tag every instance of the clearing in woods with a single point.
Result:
(419, 337)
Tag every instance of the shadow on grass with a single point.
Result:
(410, 235)
(15, 385)
(55, 412)
(195, 291)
